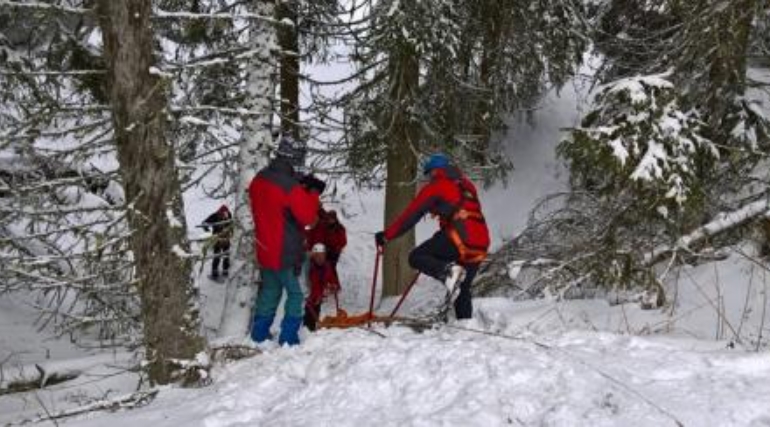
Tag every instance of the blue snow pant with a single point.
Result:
(274, 282)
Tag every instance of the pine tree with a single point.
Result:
(674, 131)
(441, 77)
(255, 146)
(63, 233)
(511, 53)
(384, 116)
(147, 166)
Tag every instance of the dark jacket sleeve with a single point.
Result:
(210, 221)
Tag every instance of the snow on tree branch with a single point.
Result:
(639, 132)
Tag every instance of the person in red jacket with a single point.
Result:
(323, 281)
(282, 205)
(455, 252)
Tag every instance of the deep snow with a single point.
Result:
(452, 376)
(693, 361)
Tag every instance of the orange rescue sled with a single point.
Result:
(343, 320)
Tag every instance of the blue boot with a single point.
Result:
(290, 330)
(260, 328)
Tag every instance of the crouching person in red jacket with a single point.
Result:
(282, 205)
(455, 252)
(323, 281)
(335, 237)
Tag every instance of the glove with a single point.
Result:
(312, 183)
(379, 238)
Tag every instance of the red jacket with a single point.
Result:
(333, 236)
(336, 238)
(281, 209)
(322, 278)
(447, 195)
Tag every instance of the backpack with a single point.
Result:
(467, 228)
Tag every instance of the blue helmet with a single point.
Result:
(435, 161)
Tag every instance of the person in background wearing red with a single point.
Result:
(454, 253)
(283, 204)
(323, 281)
(220, 223)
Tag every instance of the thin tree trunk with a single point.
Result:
(255, 145)
(490, 49)
(147, 167)
(288, 41)
(401, 166)
(726, 34)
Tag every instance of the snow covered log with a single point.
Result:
(37, 378)
(45, 374)
(723, 222)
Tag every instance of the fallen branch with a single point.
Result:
(723, 222)
(131, 401)
(42, 380)
(42, 375)
(230, 352)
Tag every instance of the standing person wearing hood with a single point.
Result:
(220, 223)
(454, 253)
(282, 204)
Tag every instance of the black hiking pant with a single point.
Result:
(433, 258)
(312, 316)
(221, 254)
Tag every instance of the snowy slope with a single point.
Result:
(25, 347)
(453, 376)
(559, 363)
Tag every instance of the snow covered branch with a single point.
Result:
(723, 222)
(158, 13)
(130, 401)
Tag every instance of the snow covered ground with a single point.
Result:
(474, 374)
(26, 350)
(528, 363)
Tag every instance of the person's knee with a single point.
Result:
(414, 259)
(269, 292)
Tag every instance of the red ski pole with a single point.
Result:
(405, 294)
(374, 284)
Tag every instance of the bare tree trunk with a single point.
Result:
(254, 154)
(725, 33)
(402, 166)
(288, 41)
(147, 167)
(490, 49)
